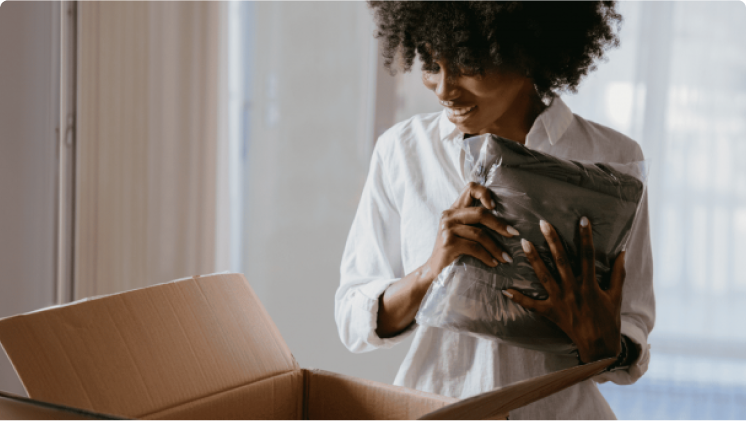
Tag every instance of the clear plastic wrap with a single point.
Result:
(528, 186)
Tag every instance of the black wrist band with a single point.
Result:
(622, 357)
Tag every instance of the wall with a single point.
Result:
(307, 156)
(28, 117)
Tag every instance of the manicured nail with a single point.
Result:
(526, 246)
(584, 221)
(511, 230)
(507, 257)
(545, 227)
(507, 293)
(495, 262)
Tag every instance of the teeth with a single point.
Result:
(457, 112)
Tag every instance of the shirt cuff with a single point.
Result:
(639, 366)
(367, 309)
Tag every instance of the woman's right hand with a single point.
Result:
(464, 229)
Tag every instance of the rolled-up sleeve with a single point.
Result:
(371, 262)
(638, 304)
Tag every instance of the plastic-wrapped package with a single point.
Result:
(528, 186)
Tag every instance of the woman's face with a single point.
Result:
(497, 102)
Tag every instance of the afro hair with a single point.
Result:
(554, 43)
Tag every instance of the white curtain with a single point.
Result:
(677, 86)
(147, 136)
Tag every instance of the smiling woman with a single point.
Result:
(653, 89)
(495, 68)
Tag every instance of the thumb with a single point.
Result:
(618, 276)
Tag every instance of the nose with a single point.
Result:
(443, 85)
(446, 89)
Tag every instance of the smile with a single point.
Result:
(459, 112)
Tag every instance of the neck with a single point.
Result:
(517, 122)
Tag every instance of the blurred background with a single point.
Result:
(143, 142)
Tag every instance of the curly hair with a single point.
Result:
(553, 43)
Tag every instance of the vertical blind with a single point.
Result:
(147, 135)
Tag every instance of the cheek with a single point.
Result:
(498, 99)
(428, 81)
(495, 88)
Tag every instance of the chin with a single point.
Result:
(468, 125)
(470, 129)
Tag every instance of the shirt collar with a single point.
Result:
(447, 129)
(551, 124)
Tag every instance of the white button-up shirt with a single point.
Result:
(415, 174)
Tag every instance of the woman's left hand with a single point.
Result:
(584, 311)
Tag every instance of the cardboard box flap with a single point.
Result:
(497, 403)
(147, 350)
(20, 408)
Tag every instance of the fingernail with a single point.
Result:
(493, 205)
(511, 230)
(507, 257)
(495, 262)
(545, 227)
(507, 293)
(526, 246)
(584, 222)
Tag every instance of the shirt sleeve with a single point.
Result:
(371, 262)
(638, 303)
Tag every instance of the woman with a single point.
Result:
(494, 66)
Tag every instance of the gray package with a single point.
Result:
(528, 186)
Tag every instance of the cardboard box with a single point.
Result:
(204, 347)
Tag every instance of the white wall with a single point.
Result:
(27, 163)
(310, 80)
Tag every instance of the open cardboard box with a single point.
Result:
(205, 348)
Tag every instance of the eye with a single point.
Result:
(431, 68)
(469, 72)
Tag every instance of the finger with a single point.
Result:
(587, 253)
(474, 191)
(480, 236)
(474, 216)
(559, 254)
(618, 276)
(457, 246)
(542, 307)
(541, 271)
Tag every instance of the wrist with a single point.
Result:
(415, 286)
(599, 349)
(424, 277)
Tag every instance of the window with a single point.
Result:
(677, 86)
